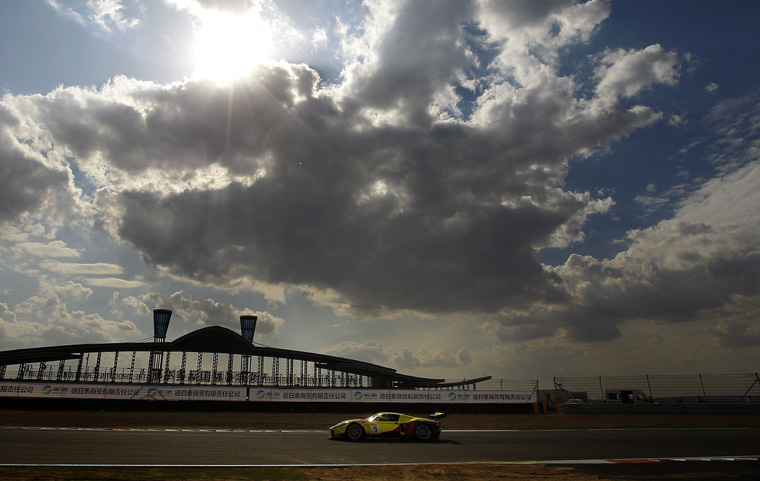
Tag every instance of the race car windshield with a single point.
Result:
(383, 417)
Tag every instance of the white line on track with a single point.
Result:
(745, 458)
(165, 430)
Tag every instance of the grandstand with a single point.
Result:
(211, 356)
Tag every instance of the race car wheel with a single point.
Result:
(423, 432)
(354, 432)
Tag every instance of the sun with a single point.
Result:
(229, 46)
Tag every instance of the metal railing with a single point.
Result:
(663, 388)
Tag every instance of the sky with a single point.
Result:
(519, 189)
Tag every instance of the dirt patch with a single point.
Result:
(449, 472)
(375, 473)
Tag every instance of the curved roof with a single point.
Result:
(219, 339)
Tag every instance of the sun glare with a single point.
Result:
(229, 46)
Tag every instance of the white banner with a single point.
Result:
(494, 397)
(299, 395)
(391, 396)
(123, 392)
(203, 393)
(263, 394)
(443, 397)
(18, 389)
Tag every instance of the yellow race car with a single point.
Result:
(391, 425)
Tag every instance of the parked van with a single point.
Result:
(632, 396)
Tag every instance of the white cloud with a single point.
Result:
(625, 73)
(187, 308)
(46, 320)
(110, 12)
(68, 289)
(100, 268)
(113, 282)
(106, 14)
(52, 249)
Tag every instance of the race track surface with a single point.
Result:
(36, 446)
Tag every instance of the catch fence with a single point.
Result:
(709, 388)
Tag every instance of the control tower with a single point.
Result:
(247, 329)
(161, 318)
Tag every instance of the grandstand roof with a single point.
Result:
(218, 339)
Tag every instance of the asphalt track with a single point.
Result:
(143, 447)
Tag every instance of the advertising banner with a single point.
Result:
(263, 394)
(398, 396)
(123, 392)
(18, 389)
(492, 397)
(206, 393)
(401, 396)
(299, 395)
(442, 397)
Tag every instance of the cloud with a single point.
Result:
(423, 178)
(403, 359)
(187, 308)
(231, 6)
(46, 320)
(737, 333)
(378, 189)
(68, 289)
(110, 12)
(368, 351)
(104, 13)
(734, 124)
(406, 359)
(625, 73)
(410, 360)
(51, 249)
(32, 184)
(114, 282)
(464, 356)
(699, 265)
(536, 30)
(99, 268)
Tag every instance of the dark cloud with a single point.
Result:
(28, 184)
(395, 217)
(701, 265)
(736, 334)
(420, 55)
(674, 272)
(363, 188)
